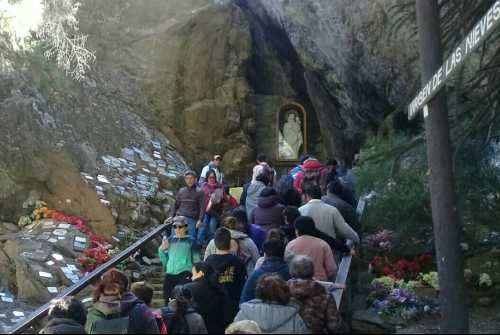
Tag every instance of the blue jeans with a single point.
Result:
(207, 230)
(192, 228)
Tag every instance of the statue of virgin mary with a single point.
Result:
(291, 139)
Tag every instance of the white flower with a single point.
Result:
(485, 280)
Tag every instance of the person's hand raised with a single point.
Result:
(165, 245)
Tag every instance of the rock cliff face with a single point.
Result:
(215, 73)
(208, 77)
(354, 74)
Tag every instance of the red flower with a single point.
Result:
(387, 271)
(377, 261)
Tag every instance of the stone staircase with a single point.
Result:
(157, 282)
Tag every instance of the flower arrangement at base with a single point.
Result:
(395, 298)
(389, 300)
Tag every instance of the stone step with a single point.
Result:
(156, 280)
(157, 303)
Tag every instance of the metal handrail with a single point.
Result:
(345, 264)
(41, 312)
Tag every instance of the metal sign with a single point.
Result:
(482, 29)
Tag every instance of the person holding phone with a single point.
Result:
(178, 253)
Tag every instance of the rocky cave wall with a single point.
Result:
(214, 74)
(207, 77)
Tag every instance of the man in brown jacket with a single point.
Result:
(190, 202)
(317, 307)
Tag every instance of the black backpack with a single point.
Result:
(118, 323)
(176, 324)
(111, 324)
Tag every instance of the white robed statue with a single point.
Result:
(291, 139)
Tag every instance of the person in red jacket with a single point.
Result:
(231, 201)
(310, 172)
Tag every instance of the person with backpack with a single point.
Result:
(115, 310)
(231, 270)
(268, 214)
(66, 316)
(274, 253)
(177, 254)
(180, 315)
(210, 297)
(310, 174)
(241, 245)
(145, 292)
(214, 165)
(214, 199)
(292, 174)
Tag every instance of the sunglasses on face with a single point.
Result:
(180, 227)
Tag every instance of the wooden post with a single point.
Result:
(455, 318)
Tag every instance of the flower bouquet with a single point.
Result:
(429, 285)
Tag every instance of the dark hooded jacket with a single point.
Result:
(317, 307)
(346, 210)
(63, 326)
(268, 214)
(141, 321)
(273, 318)
(213, 304)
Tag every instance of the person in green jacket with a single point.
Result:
(178, 253)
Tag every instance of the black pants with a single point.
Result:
(171, 281)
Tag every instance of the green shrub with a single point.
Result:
(44, 74)
(395, 168)
(398, 176)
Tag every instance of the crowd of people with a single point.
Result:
(264, 265)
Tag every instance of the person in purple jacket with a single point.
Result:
(268, 214)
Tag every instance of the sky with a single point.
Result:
(24, 16)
